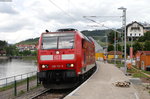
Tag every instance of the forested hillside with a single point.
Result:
(30, 41)
(97, 34)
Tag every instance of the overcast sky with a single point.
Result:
(24, 19)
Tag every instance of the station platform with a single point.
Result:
(101, 85)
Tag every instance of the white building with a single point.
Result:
(135, 29)
(23, 47)
(146, 27)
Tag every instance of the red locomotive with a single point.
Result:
(64, 56)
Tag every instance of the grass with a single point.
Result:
(18, 83)
(6, 87)
(147, 72)
(136, 73)
(29, 57)
(119, 65)
(32, 88)
(139, 75)
(21, 92)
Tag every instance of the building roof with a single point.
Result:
(133, 23)
(146, 52)
(98, 48)
(139, 52)
(2, 52)
(143, 52)
(25, 45)
(113, 52)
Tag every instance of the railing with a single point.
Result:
(115, 61)
(19, 84)
(9, 80)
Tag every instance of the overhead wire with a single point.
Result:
(62, 10)
(101, 24)
(75, 19)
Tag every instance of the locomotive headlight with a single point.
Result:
(70, 65)
(44, 66)
(57, 52)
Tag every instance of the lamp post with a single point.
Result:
(106, 41)
(131, 49)
(124, 26)
(106, 48)
(115, 49)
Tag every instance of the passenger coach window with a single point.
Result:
(49, 43)
(66, 42)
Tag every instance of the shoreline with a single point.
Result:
(4, 57)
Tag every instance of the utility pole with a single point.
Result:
(115, 49)
(124, 26)
(106, 47)
(106, 44)
(131, 50)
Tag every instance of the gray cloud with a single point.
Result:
(36, 15)
(14, 26)
(7, 9)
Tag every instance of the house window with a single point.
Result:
(130, 34)
(139, 30)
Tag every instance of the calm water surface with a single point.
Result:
(16, 66)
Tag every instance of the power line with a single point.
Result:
(102, 16)
(63, 10)
(101, 24)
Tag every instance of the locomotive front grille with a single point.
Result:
(57, 75)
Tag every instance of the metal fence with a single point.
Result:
(17, 85)
(115, 61)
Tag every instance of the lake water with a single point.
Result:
(14, 67)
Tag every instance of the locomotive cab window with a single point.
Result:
(66, 42)
(58, 41)
(49, 43)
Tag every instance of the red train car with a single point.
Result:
(64, 56)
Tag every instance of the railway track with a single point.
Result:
(59, 93)
(40, 93)
(52, 94)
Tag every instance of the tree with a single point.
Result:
(3, 44)
(118, 47)
(145, 37)
(11, 50)
(33, 53)
(141, 39)
(26, 53)
(137, 46)
(128, 49)
(147, 46)
(111, 37)
(110, 47)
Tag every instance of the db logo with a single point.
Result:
(56, 57)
